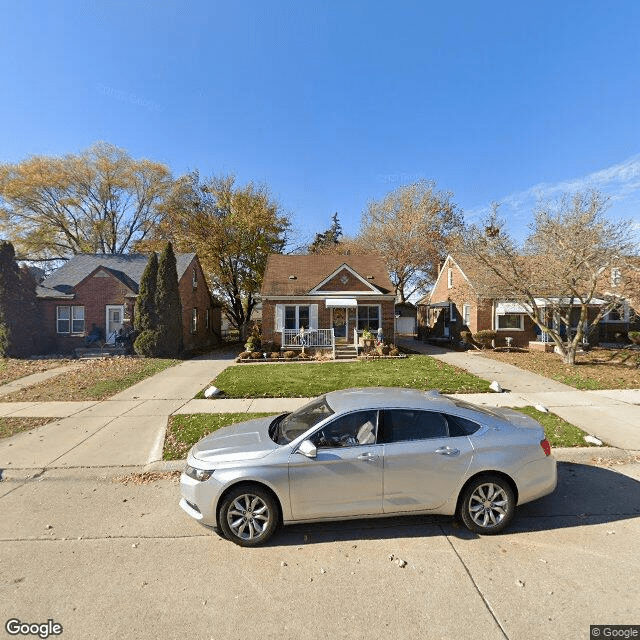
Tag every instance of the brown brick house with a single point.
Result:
(333, 298)
(454, 305)
(99, 292)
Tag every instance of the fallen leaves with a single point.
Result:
(147, 477)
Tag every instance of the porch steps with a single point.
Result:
(346, 352)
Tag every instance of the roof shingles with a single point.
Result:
(294, 275)
(127, 268)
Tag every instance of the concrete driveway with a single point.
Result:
(108, 559)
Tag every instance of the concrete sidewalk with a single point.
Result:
(127, 429)
(611, 415)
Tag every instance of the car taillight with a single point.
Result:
(546, 447)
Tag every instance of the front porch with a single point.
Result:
(324, 339)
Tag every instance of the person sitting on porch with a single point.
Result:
(93, 336)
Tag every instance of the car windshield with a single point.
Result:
(294, 424)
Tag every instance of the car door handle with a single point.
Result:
(448, 451)
(368, 457)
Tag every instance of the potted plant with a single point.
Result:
(367, 338)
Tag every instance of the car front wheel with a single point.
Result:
(487, 505)
(248, 515)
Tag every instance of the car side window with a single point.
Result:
(401, 425)
(354, 429)
(461, 426)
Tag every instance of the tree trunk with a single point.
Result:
(244, 331)
(569, 356)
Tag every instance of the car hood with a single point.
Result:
(243, 441)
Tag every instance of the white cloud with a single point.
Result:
(621, 183)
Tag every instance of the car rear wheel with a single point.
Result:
(487, 505)
(248, 515)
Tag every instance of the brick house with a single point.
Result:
(333, 298)
(99, 291)
(454, 305)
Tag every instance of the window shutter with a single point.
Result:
(279, 317)
(313, 316)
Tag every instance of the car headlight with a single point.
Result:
(198, 474)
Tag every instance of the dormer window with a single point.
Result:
(450, 278)
(194, 278)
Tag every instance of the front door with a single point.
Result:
(445, 323)
(340, 323)
(115, 318)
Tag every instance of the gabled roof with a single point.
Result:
(126, 268)
(309, 271)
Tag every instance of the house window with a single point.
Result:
(296, 316)
(466, 314)
(63, 315)
(450, 278)
(290, 321)
(194, 280)
(511, 321)
(194, 320)
(77, 319)
(368, 317)
(619, 314)
(207, 318)
(616, 277)
(70, 320)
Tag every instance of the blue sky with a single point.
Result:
(335, 105)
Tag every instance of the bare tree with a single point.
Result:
(574, 259)
(99, 201)
(411, 227)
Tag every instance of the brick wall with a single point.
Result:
(351, 284)
(198, 298)
(94, 293)
(97, 291)
(459, 293)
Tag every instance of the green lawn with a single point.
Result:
(301, 380)
(184, 431)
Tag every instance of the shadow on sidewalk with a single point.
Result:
(586, 495)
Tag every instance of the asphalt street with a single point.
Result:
(107, 553)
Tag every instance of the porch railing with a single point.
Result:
(312, 338)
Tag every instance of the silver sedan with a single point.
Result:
(362, 453)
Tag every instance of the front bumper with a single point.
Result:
(199, 499)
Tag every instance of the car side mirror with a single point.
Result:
(307, 448)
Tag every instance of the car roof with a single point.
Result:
(380, 397)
